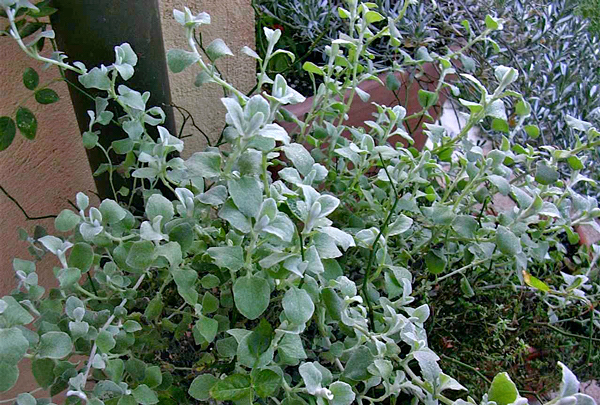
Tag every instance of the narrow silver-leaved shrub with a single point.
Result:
(295, 286)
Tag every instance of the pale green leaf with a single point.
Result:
(246, 193)
(342, 393)
(298, 306)
(503, 391)
(227, 257)
(144, 395)
(200, 387)
(66, 221)
(10, 375)
(141, 255)
(105, 341)
(266, 383)
(185, 280)
(13, 345)
(569, 383)
(507, 242)
(159, 205)
(251, 295)
(204, 164)
(111, 211)
(312, 377)
(55, 345)
(207, 327)
(178, 59)
(217, 49)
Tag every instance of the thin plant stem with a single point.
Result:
(374, 247)
(106, 325)
(473, 369)
(110, 171)
(591, 335)
(569, 334)
(10, 400)
(462, 269)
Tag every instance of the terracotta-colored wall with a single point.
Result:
(362, 111)
(42, 175)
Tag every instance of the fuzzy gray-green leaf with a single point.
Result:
(251, 295)
(178, 59)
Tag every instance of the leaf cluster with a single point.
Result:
(281, 269)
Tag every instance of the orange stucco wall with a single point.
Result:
(41, 174)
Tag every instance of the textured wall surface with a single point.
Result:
(232, 21)
(42, 175)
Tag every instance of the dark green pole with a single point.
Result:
(88, 31)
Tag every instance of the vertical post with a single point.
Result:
(88, 31)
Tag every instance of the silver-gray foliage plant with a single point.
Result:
(254, 257)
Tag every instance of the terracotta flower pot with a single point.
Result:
(407, 94)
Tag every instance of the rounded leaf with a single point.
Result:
(46, 96)
(55, 345)
(246, 194)
(154, 308)
(251, 295)
(159, 205)
(105, 341)
(43, 371)
(132, 326)
(112, 212)
(144, 395)
(26, 123)
(10, 375)
(66, 220)
(141, 255)
(575, 163)
(217, 49)
(266, 383)
(532, 130)
(234, 387)
(13, 345)
(545, 174)
(127, 400)
(503, 391)
(153, 377)
(312, 68)
(178, 60)
(200, 388)
(342, 393)
(507, 241)
(81, 257)
(30, 78)
(8, 129)
(136, 369)
(298, 306)
(569, 383)
(90, 139)
(427, 98)
(435, 262)
(26, 399)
